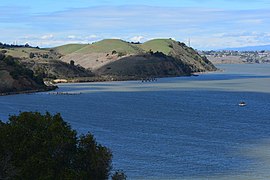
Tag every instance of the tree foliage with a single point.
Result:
(72, 63)
(36, 146)
(119, 175)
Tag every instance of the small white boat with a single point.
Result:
(242, 104)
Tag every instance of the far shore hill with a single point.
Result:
(110, 59)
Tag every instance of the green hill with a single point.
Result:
(112, 58)
(158, 57)
(69, 48)
(118, 45)
(161, 45)
(109, 45)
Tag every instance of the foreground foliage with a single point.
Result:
(36, 146)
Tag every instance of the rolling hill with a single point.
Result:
(158, 58)
(104, 60)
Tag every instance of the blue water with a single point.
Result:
(175, 128)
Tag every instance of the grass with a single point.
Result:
(69, 48)
(109, 45)
(161, 45)
(23, 51)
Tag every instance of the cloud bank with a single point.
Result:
(208, 28)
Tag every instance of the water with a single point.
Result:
(175, 128)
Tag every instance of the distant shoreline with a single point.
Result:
(103, 79)
(48, 88)
(127, 78)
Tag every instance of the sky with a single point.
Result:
(209, 24)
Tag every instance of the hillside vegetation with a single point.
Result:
(157, 58)
(46, 62)
(16, 78)
(109, 59)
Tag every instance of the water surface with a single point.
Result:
(175, 128)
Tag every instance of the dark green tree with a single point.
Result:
(72, 63)
(36, 146)
(119, 175)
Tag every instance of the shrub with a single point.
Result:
(2, 56)
(119, 175)
(72, 63)
(31, 55)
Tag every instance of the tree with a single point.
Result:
(72, 63)
(36, 146)
(119, 175)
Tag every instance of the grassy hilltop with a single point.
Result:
(115, 57)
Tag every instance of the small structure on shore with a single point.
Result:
(60, 81)
(149, 79)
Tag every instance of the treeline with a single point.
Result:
(4, 45)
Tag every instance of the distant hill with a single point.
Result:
(115, 57)
(249, 48)
(108, 59)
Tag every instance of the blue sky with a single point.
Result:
(210, 24)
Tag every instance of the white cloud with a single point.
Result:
(72, 37)
(205, 27)
(137, 39)
(48, 36)
(93, 36)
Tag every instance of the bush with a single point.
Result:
(72, 63)
(2, 56)
(31, 55)
(10, 61)
(119, 175)
(121, 54)
(36, 146)
(45, 56)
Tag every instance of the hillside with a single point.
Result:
(46, 62)
(15, 78)
(110, 59)
(158, 57)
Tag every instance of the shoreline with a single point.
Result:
(112, 78)
(48, 88)
(117, 79)
(103, 79)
